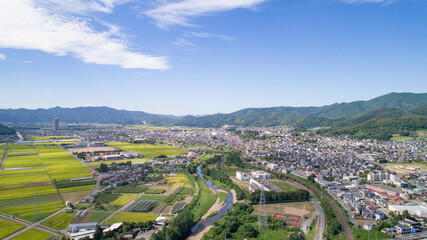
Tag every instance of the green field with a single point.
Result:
(284, 186)
(22, 178)
(272, 235)
(27, 192)
(99, 216)
(27, 211)
(153, 197)
(132, 217)
(60, 221)
(76, 189)
(32, 234)
(123, 199)
(60, 165)
(97, 164)
(205, 201)
(155, 191)
(148, 150)
(8, 227)
(36, 138)
(400, 138)
(131, 188)
(362, 234)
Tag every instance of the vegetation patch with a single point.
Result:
(132, 217)
(32, 234)
(60, 221)
(8, 227)
(149, 150)
(122, 200)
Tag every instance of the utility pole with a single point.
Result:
(262, 215)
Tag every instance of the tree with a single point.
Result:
(311, 178)
(98, 233)
(103, 167)
(247, 231)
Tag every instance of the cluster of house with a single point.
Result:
(123, 174)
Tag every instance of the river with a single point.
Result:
(203, 223)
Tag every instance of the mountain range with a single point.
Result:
(392, 105)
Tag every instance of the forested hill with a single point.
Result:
(308, 116)
(393, 104)
(4, 130)
(83, 115)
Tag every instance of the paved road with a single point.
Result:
(321, 224)
(2, 159)
(420, 235)
(337, 209)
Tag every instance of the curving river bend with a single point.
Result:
(203, 223)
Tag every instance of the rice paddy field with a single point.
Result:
(30, 170)
(60, 165)
(27, 211)
(123, 199)
(178, 179)
(132, 217)
(32, 234)
(60, 221)
(8, 227)
(148, 150)
(27, 192)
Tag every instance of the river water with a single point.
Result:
(203, 223)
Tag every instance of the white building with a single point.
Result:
(261, 174)
(273, 166)
(242, 176)
(418, 210)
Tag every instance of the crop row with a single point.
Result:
(144, 206)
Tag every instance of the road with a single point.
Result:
(420, 235)
(321, 224)
(337, 210)
(2, 159)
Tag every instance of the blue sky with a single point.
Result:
(199, 57)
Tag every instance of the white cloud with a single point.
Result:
(210, 35)
(2, 57)
(26, 25)
(81, 6)
(182, 42)
(180, 13)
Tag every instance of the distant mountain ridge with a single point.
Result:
(294, 115)
(394, 103)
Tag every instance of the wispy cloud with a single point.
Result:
(182, 42)
(82, 6)
(210, 35)
(2, 57)
(181, 12)
(27, 25)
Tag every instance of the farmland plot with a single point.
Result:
(144, 206)
(148, 150)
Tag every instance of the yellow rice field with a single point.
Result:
(123, 199)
